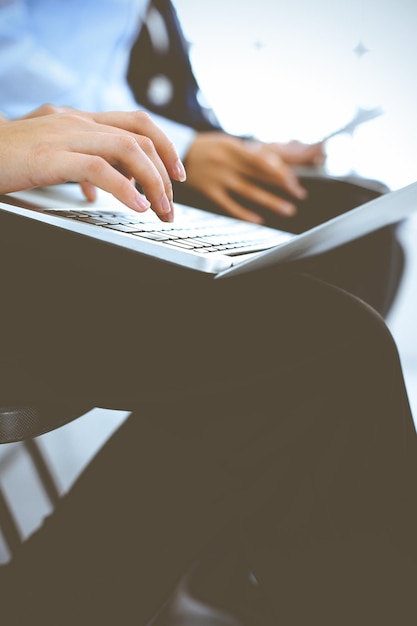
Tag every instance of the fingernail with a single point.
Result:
(179, 171)
(165, 205)
(169, 215)
(142, 202)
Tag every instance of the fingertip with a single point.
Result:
(294, 187)
(167, 217)
(287, 209)
(178, 172)
(164, 209)
(142, 203)
(300, 193)
(89, 191)
(255, 218)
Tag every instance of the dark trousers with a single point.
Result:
(270, 414)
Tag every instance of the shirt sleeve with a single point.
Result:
(29, 75)
(36, 69)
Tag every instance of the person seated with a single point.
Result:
(270, 439)
(112, 66)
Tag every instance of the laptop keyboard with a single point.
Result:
(206, 235)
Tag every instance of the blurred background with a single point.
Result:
(296, 69)
(281, 70)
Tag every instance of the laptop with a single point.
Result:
(198, 240)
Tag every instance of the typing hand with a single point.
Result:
(106, 150)
(224, 167)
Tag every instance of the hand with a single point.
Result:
(221, 167)
(299, 153)
(107, 150)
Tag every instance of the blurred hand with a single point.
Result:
(106, 150)
(299, 153)
(221, 166)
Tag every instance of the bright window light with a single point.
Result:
(299, 69)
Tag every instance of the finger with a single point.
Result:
(317, 153)
(45, 109)
(89, 191)
(261, 196)
(267, 166)
(149, 149)
(144, 142)
(298, 153)
(123, 151)
(96, 171)
(141, 123)
(234, 209)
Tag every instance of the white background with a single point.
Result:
(284, 69)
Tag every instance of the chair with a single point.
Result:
(23, 424)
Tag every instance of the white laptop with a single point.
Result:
(202, 241)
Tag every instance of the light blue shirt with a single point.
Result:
(74, 53)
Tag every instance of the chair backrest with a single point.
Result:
(22, 424)
(9, 523)
(19, 423)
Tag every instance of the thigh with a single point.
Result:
(239, 382)
(116, 342)
(280, 460)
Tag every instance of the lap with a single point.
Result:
(169, 482)
(116, 343)
(299, 364)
